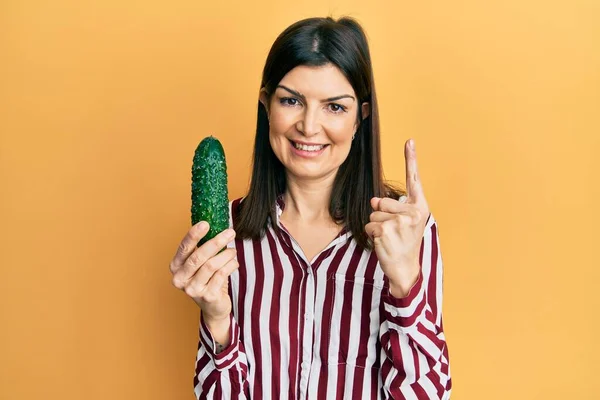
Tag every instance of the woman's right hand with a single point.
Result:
(202, 272)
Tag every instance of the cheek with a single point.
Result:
(342, 126)
(277, 134)
(278, 140)
(282, 121)
(341, 132)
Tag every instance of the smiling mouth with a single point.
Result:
(308, 148)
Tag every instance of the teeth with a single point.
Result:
(308, 148)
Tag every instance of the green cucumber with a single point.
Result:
(210, 201)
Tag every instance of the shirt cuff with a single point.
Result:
(229, 355)
(405, 311)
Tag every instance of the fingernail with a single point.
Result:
(412, 144)
(203, 225)
(229, 233)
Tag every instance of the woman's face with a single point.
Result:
(312, 116)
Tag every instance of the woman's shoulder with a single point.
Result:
(236, 202)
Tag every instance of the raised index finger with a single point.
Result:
(413, 181)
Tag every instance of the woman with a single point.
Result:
(332, 287)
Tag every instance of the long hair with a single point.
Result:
(316, 42)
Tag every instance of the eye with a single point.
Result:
(288, 101)
(337, 108)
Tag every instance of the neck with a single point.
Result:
(307, 202)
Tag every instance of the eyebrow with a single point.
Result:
(343, 96)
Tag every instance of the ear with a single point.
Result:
(365, 110)
(264, 98)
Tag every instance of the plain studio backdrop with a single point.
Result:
(102, 105)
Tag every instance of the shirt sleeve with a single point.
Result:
(221, 375)
(415, 362)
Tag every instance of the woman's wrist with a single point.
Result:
(219, 328)
(401, 286)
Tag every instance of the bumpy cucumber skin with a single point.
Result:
(210, 201)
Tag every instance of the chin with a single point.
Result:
(312, 172)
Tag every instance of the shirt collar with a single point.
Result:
(280, 206)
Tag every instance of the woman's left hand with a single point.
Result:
(397, 228)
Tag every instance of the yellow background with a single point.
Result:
(103, 103)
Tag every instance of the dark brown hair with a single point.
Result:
(316, 42)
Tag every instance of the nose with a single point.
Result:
(309, 125)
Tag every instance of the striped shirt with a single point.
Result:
(326, 328)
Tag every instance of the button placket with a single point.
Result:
(307, 336)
